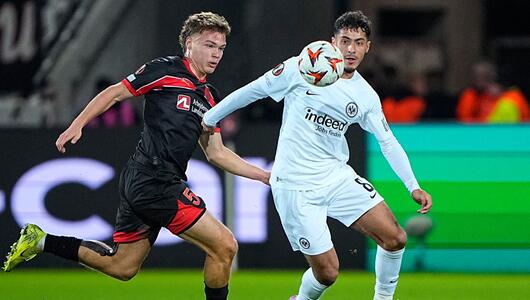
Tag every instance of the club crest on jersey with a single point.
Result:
(352, 109)
(184, 102)
(278, 69)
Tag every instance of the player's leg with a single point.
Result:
(122, 263)
(220, 247)
(380, 224)
(356, 204)
(188, 218)
(303, 217)
(322, 274)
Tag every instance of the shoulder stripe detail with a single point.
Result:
(167, 81)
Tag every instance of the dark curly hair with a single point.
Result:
(200, 22)
(353, 20)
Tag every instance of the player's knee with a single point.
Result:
(327, 275)
(397, 242)
(231, 247)
(226, 250)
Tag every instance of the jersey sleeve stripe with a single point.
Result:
(129, 87)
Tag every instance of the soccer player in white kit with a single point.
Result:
(311, 179)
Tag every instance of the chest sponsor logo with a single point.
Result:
(184, 102)
(352, 109)
(199, 108)
(324, 123)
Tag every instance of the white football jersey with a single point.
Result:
(311, 145)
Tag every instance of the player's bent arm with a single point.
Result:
(96, 106)
(224, 158)
(399, 161)
(102, 102)
(376, 124)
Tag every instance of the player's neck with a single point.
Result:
(195, 70)
(347, 75)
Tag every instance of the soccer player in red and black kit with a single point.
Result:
(153, 187)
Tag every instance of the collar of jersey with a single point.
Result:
(187, 65)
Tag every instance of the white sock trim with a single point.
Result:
(391, 254)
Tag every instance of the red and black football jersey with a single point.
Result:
(175, 103)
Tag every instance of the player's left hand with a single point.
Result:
(206, 128)
(424, 199)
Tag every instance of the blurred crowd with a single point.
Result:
(485, 100)
(39, 108)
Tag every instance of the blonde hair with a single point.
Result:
(200, 22)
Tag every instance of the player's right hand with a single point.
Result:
(72, 135)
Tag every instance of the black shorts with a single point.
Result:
(151, 198)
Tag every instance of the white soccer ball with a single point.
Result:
(320, 63)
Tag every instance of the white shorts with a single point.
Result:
(304, 213)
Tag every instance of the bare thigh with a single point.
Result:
(209, 234)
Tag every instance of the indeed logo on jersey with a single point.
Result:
(323, 119)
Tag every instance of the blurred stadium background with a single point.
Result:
(55, 55)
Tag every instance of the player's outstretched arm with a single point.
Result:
(422, 198)
(100, 103)
(224, 158)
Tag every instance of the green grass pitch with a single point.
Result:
(248, 284)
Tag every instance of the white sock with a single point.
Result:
(41, 242)
(387, 265)
(310, 289)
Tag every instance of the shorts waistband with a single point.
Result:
(155, 163)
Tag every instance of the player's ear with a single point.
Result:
(368, 43)
(188, 45)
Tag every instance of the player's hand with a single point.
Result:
(424, 199)
(206, 128)
(72, 135)
(266, 178)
